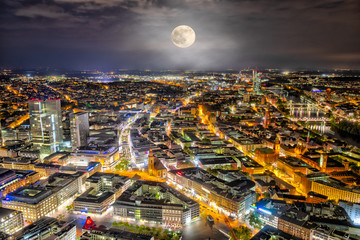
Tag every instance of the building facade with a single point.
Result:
(234, 198)
(11, 180)
(35, 203)
(79, 129)
(102, 190)
(157, 202)
(10, 220)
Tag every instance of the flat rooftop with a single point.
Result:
(239, 187)
(29, 195)
(130, 194)
(294, 162)
(4, 212)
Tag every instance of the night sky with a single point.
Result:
(135, 34)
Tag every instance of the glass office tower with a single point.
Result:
(46, 125)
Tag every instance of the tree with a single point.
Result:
(254, 220)
(274, 237)
(241, 233)
(266, 195)
(213, 171)
(206, 140)
(123, 164)
(70, 207)
(175, 237)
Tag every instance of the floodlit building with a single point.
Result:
(66, 185)
(35, 203)
(21, 163)
(158, 202)
(233, 198)
(103, 189)
(322, 183)
(38, 200)
(108, 156)
(11, 180)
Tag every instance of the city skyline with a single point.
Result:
(144, 155)
(121, 34)
(180, 119)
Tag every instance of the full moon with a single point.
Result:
(183, 36)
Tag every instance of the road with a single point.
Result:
(131, 173)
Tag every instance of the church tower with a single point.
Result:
(323, 161)
(151, 162)
(277, 146)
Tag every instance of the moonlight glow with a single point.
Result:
(183, 36)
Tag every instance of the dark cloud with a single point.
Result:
(136, 33)
(42, 10)
(330, 4)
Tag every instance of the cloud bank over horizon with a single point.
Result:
(136, 34)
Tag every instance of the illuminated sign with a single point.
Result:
(264, 211)
(205, 190)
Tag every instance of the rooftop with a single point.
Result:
(150, 194)
(30, 195)
(234, 190)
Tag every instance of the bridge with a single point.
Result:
(307, 112)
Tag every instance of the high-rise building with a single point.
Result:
(79, 129)
(257, 81)
(46, 125)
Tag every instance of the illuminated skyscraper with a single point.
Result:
(257, 81)
(46, 125)
(79, 129)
